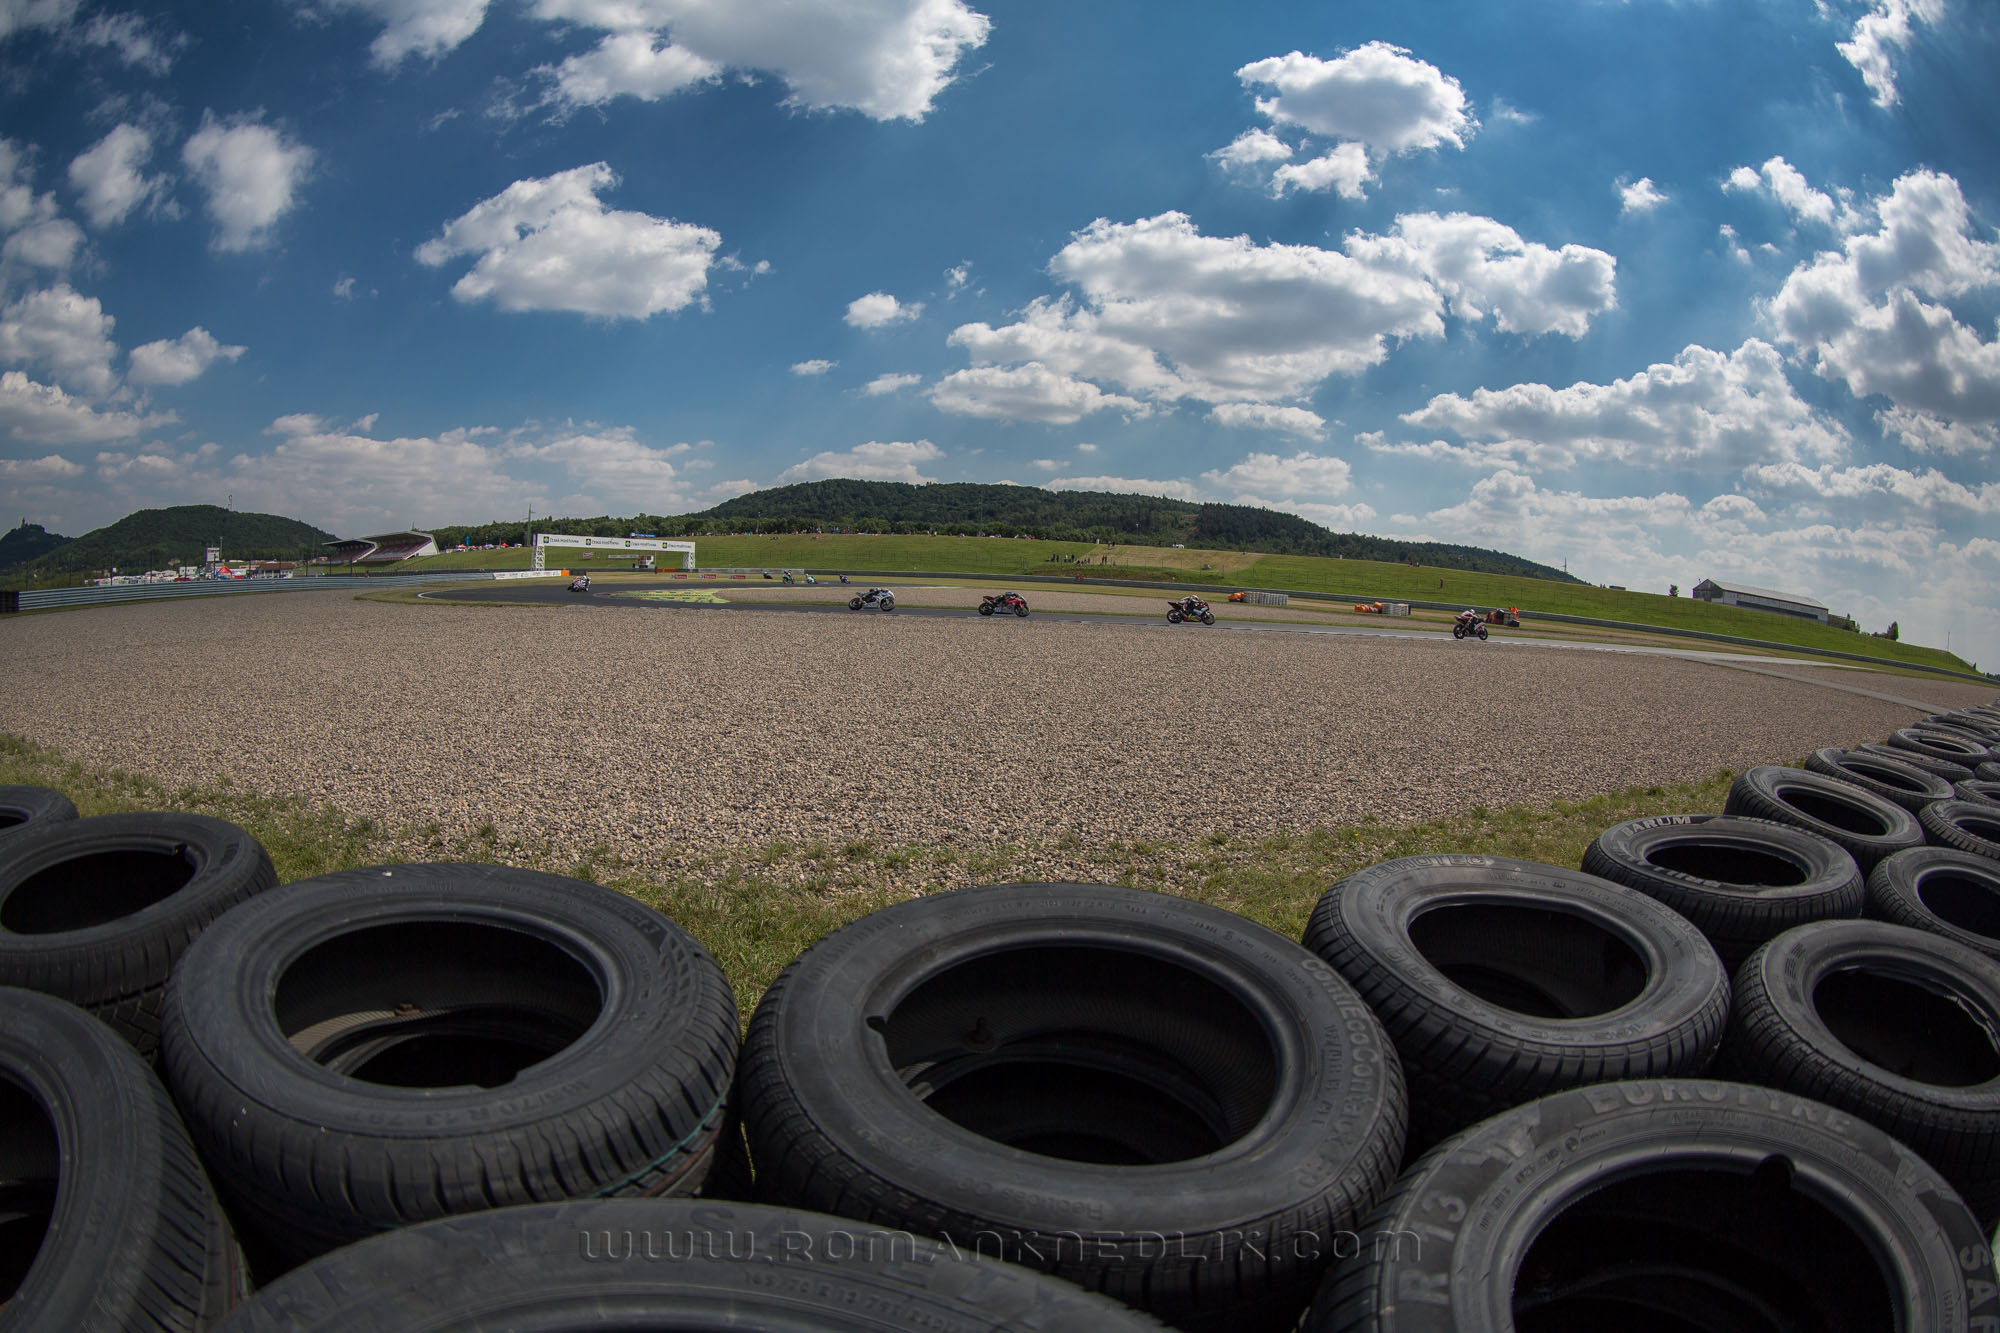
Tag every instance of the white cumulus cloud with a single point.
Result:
(888, 59)
(1270, 416)
(891, 383)
(814, 367)
(252, 174)
(873, 461)
(108, 179)
(1485, 268)
(179, 360)
(1724, 409)
(43, 414)
(429, 28)
(66, 334)
(1031, 392)
(1878, 35)
(550, 244)
(1374, 102)
(1875, 314)
(1640, 196)
(878, 310)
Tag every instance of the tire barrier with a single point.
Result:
(107, 1222)
(1947, 892)
(1868, 827)
(1153, 1098)
(1893, 780)
(24, 807)
(377, 1047)
(1890, 1024)
(666, 1263)
(1740, 881)
(97, 910)
(1666, 1204)
(1988, 771)
(1502, 980)
(1970, 826)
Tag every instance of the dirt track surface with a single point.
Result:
(662, 731)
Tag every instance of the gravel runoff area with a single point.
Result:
(666, 732)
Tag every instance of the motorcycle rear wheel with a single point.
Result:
(854, 603)
(986, 608)
(1174, 617)
(1458, 631)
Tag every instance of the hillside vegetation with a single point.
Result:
(26, 543)
(964, 509)
(159, 538)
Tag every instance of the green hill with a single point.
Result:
(157, 538)
(1089, 516)
(28, 542)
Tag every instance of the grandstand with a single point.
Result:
(382, 549)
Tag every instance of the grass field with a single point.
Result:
(756, 908)
(1238, 569)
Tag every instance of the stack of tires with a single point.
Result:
(1738, 1071)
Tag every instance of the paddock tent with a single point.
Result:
(1760, 599)
(383, 548)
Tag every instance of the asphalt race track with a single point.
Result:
(622, 596)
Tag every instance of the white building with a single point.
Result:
(1759, 599)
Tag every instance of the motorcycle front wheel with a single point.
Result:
(888, 604)
(1208, 617)
(1482, 633)
(1021, 610)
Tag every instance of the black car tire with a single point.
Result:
(1943, 890)
(1970, 826)
(1949, 770)
(377, 1047)
(1940, 745)
(1893, 780)
(97, 910)
(1869, 827)
(1898, 1026)
(1988, 771)
(25, 807)
(1151, 1097)
(1666, 1204)
(666, 1264)
(1979, 791)
(1502, 980)
(1739, 880)
(107, 1222)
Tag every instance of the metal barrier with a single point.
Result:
(37, 599)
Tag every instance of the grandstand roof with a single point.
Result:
(383, 548)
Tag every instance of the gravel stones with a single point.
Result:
(656, 730)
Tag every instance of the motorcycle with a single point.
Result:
(1467, 624)
(881, 597)
(1006, 601)
(1189, 608)
(581, 583)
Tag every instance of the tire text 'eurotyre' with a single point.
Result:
(1673, 1206)
(1154, 1098)
(377, 1047)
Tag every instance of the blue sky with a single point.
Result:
(1661, 289)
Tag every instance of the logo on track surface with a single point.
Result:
(674, 595)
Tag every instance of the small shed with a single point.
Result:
(1759, 599)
